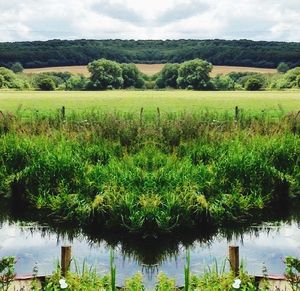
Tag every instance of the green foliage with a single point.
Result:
(105, 74)
(213, 280)
(46, 84)
(17, 67)
(1, 81)
(76, 83)
(282, 67)
(169, 75)
(223, 83)
(164, 283)
(253, 84)
(194, 74)
(112, 272)
(132, 76)
(292, 272)
(8, 77)
(181, 172)
(7, 272)
(80, 52)
(87, 280)
(187, 272)
(135, 283)
(291, 78)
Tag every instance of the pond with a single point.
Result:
(265, 244)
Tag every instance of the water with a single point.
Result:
(261, 245)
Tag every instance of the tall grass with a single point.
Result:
(117, 171)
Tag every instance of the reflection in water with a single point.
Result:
(265, 243)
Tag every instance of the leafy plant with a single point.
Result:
(7, 272)
(292, 272)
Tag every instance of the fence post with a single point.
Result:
(158, 116)
(141, 115)
(63, 112)
(66, 253)
(236, 113)
(234, 260)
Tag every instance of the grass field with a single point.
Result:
(152, 69)
(132, 101)
(167, 101)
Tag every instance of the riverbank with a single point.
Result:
(150, 176)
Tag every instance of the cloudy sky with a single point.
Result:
(149, 19)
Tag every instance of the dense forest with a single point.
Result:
(81, 52)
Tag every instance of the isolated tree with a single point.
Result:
(194, 75)
(253, 84)
(46, 84)
(17, 67)
(131, 76)
(169, 75)
(105, 74)
(282, 67)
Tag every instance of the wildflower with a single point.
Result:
(237, 284)
(63, 284)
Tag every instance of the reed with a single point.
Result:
(112, 171)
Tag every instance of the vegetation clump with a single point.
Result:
(150, 176)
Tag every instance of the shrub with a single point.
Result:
(194, 74)
(169, 75)
(46, 84)
(17, 68)
(282, 67)
(105, 73)
(1, 81)
(77, 82)
(131, 76)
(253, 84)
(223, 83)
(291, 76)
(8, 77)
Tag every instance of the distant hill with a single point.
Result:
(80, 52)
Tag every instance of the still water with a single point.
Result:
(264, 244)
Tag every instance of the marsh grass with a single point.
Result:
(150, 173)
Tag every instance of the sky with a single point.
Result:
(22, 20)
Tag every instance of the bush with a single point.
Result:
(253, 84)
(223, 83)
(282, 67)
(291, 77)
(46, 84)
(1, 81)
(194, 74)
(169, 75)
(132, 76)
(105, 73)
(8, 77)
(298, 81)
(77, 82)
(17, 68)
(159, 83)
(150, 85)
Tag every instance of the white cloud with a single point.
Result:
(149, 19)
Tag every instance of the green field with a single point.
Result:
(132, 101)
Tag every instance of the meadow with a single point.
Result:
(151, 69)
(166, 101)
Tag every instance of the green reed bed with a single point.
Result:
(150, 174)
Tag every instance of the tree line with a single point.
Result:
(109, 75)
(81, 52)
